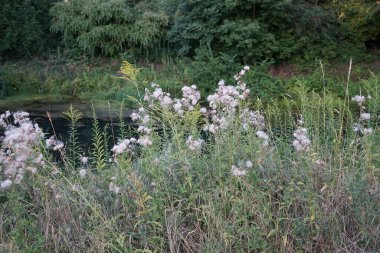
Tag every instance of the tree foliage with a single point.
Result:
(256, 29)
(361, 18)
(109, 26)
(24, 27)
(248, 31)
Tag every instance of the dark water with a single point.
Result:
(108, 117)
(61, 126)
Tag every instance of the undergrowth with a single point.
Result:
(300, 174)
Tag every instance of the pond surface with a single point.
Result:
(108, 115)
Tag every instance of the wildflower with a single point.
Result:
(20, 117)
(262, 135)
(166, 101)
(320, 162)
(84, 159)
(18, 147)
(367, 130)
(359, 99)
(203, 110)
(6, 184)
(177, 105)
(142, 129)
(122, 146)
(157, 160)
(135, 116)
(113, 187)
(82, 173)
(194, 144)
(356, 128)
(190, 97)
(248, 164)
(364, 116)
(238, 172)
(33, 170)
(53, 143)
(144, 141)
(252, 118)
(302, 142)
(221, 82)
(59, 145)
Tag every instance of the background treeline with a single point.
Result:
(247, 31)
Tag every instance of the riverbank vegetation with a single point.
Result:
(254, 126)
(297, 175)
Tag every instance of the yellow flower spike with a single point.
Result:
(128, 71)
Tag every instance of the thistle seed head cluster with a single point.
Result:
(364, 117)
(241, 169)
(142, 117)
(301, 142)
(54, 144)
(224, 104)
(263, 136)
(113, 187)
(227, 97)
(252, 118)
(123, 146)
(194, 144)
(190, 97)
(19, 148)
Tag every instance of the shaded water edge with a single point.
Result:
(107, 116)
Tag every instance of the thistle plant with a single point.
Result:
(220, 175)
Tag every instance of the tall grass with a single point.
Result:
(166, 197)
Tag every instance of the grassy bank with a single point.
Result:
(100, 80)
(300, 174)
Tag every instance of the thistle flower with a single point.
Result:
(237, 171)
(302, 142)
(123, 146)
(359, 99)
(190, 97)
(18, 153)
(194, 144)
(144, 141)
(365, 116)
(6, 184)
(114, 188)
(263, 136)
(252, 118)
(84, 159)
(82, 173)
(367, 131)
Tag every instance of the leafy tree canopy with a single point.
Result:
(109, 26)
